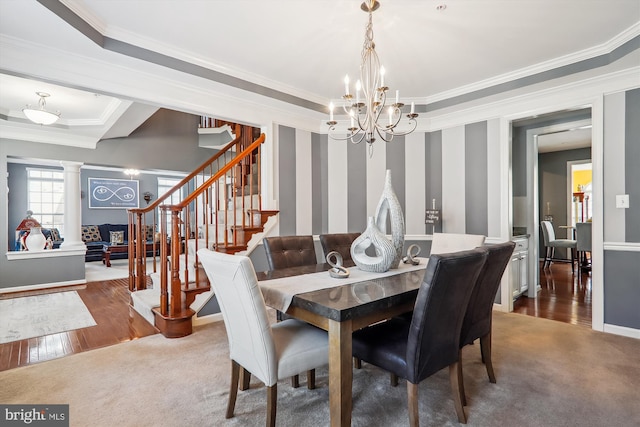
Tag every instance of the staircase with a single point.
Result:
(218, 206)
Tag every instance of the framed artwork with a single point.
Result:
(110, 193)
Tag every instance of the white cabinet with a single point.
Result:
(519, 271)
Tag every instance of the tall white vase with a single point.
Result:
(35, 241)
(389, 206)
(384, 250)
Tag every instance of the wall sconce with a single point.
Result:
(147, 196)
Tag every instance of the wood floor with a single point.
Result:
(108, 303)
(564, 297)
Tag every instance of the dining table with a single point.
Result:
(341, 306)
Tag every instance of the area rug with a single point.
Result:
(40, 315)
(96, 271)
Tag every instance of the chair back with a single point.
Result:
(289, 251)
(339, 242)
(583, 236)
(234, 282)
(548, 234)
(477, 319)
(444, 243)
(434, 334)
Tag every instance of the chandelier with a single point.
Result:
(367, 114)
(40, 115)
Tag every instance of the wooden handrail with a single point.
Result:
(205, 185)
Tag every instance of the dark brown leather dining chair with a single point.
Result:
(285, 252)
(289, 251)
(431, 341)
(339, 242)
(477, 319)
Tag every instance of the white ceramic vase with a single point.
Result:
(384, 250)
(389, 206)
(35, 241)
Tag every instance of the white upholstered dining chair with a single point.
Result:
(443, 243)
(270, 352)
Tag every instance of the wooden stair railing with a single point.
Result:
(216, 206)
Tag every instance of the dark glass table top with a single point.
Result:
(353, 300)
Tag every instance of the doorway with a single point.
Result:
(542, 148)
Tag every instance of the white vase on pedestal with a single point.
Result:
(35, 241)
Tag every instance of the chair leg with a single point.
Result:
(357, 363)
(463, 396)
(393, 379)
(311, 379)
(245, 379)
(573, 259)
(295, 381)
(454, 377)
(412, 399)
(233, 388)
(272, 402)
(485, 348)
(547, 257)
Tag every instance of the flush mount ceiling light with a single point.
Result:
(40, 115)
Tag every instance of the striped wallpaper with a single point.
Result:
(330, 186)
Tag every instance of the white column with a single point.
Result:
(72, 207)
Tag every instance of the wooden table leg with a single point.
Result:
(106, 258)
(340, 373)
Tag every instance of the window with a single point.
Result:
(46, 197)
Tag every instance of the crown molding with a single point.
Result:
(603, 49)
(44, 134)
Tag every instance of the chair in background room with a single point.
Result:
(339, 242)
(443, 243)
(551, 243)
(431, 341)
(477, 319)
(583, 243)
(270, 352)
(289, 251)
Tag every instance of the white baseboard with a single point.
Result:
(622, 330)
(42, 286)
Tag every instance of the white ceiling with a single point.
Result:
(303, 49)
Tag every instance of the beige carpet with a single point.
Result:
(549, 374)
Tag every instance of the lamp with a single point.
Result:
(365, 116)
(40, 115)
